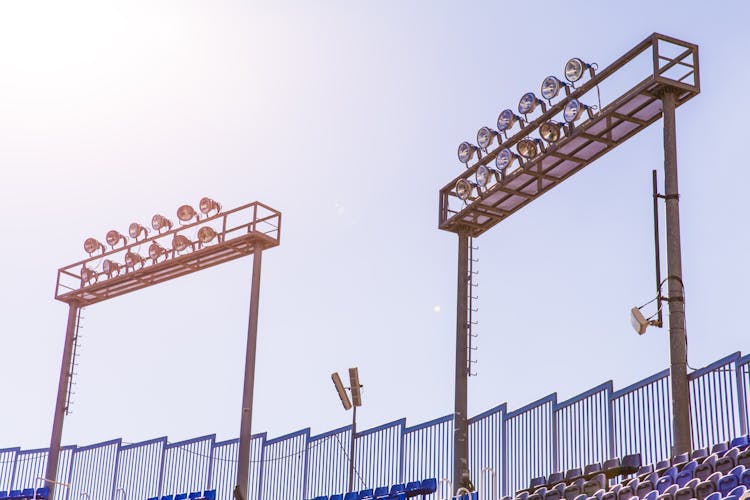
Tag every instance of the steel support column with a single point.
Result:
(243, 467)
(351, 448)
(460, 432)
(677, 334)
(62, 392)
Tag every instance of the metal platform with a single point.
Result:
(239, 232)
(675, 68)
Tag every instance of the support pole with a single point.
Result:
(66, 369)
(351, 448)
(243, 467)
(677, 334)
(460, 432)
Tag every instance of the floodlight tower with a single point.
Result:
(355, 390)
(497, 182)
(201, 240)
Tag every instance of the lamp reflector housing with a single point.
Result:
(355, 387)
(528, 103)
(155, 251)
(159, 222)
(114, 237)
(207, 205)
(110, 268)
(573, 109)
(87, 275)
(551, 87)
(485, 136)
(464, 189)
(528, 148)
(551, 131)
(639, 322)
(341, 390)
(91, 245)
(574, 69)
(483, 175)
(506, 120)
(180, 242)
(132, 259)
(505, 159)
(206, 234)
(135, 230)
(185, 213)
(466, 151)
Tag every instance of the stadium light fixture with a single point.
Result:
(466, 151)
(504, 159)
(506, 119)
(159, 222)
(530, 147)
(356, 401)
(464, 188)
(241, 231)
(483, 175)
(137, 231)
(551, 87)
(485, 136)
(207, 206)
(529, 102)
(573, 110)
(92, 245)
(114, 237)
(575, 67)
(551, 131)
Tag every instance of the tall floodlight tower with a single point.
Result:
(201, 239)
(511, 166)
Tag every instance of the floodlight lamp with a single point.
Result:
(114, 237)
(575, 67)
(483, 175)
(529, 147)
(551, 87)
(355, 386)
(506, 120)
(464, 189)
(180, 242)
(155, 251)
(132, 259)
(551, 131)
(638, 321)
(341, 390)
(87, 276)
(529, 102)
(159, 222)
(466, 151)
(206, 235)
(91, 245)
(207, 205)
(505, 159)
(185, 213)
(110, 268)
(485, 137)
(573, 109)
(136, 231)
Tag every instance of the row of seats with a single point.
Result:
(196, 495)
(399, 491)
(26, 494)
(724, 473)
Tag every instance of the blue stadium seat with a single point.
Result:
(720, 448)
(573, 489)
(682, 458)
(556, 492)
(688, 491)
(736, 493)
(668, 493)
(381, 492)
(667, 479)
(429, 485)
(27, 493)
(612, 493)
(3, 494)
(714, 496)
(705, 469)
(699, 453)
(686, 474)
(338, 496)
(42, 493)
(398, 488)
(591, 470)
(209, 495)
(365, 494)
(14, 494)
(741, 442)
(352, 495)
(539, 493)
(181, 496)
(321, 498)
(628, 491)
(555, 477)
(646, 484)
(727, 462)
(167, 497)
(731, 480)
(397, 496)
(413, 488)
(154, 498)
(651, 495)
(194, 495)
(536, 482)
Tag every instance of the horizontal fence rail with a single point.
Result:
(507, 448)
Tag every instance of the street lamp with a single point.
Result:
(670, 78)
(356, 400)
(239, 232)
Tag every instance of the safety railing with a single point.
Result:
(507, 448)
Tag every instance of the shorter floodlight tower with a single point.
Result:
(354, 388)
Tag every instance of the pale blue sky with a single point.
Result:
(346, 117)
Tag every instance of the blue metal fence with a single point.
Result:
(507, 448)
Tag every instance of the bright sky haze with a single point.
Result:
(345, 116)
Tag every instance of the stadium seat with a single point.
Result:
(686, 474)
(705, 469)
(14, 494)
(209, 495)
(719, 448)
(397, 496)
(745, 478)
(744, 458)
(523, 495)
(668, 493)
(42, 493)
(667, 479)
(628, 491)
(596, 483)
(698, 454)
(366, 494)
(612, 493)
(688, 491)
(662, 465)
(741, 442)
(183, 496)
(736, 493)
(555, 477)
(538, 494)
(536, 482)
(321, 498)
(398, 488)
(611, 467)
(710, 485)
(556, 492)
(337, 496)
(651, 495)
(644, 471)
(682, 458)
(592, 470)
(352, 495)
(573, 489)
(194, 495)
(167, 497)
(429, 485)
(731, 480)
(3, 494)
(573, 474)
(646, 485)
(727, 462)
(714, 496)
(380, 492)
